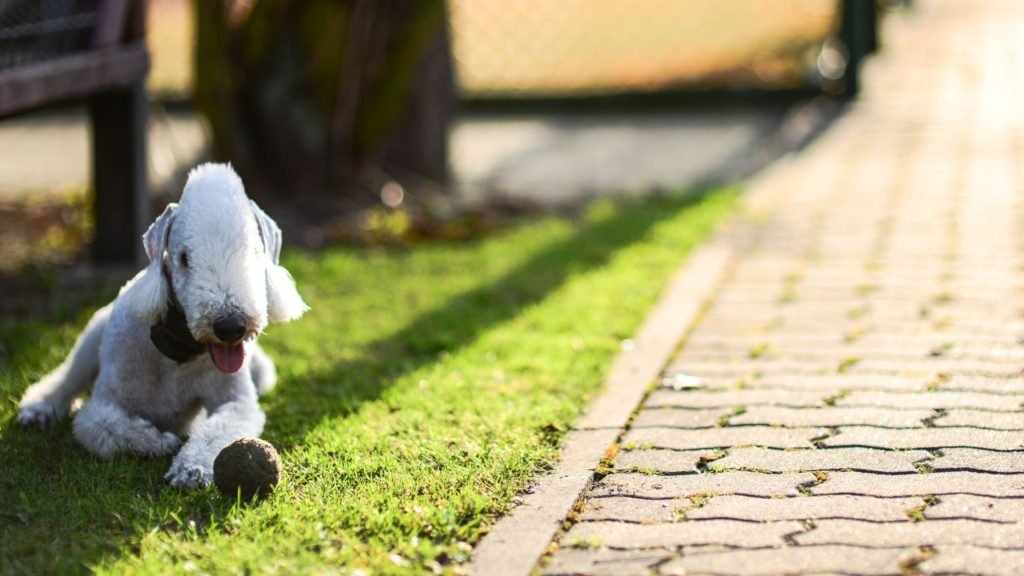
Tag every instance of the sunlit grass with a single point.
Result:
(424, 390)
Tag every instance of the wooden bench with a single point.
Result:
(53, 52)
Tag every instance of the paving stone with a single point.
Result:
(1007, 370)
(677, 439)
(720, 532)
(1002, 327)
(923, 356)
(731, 398)
(751, 324)
(805, 508)
(974, 560)
(929, 341)
(930, 532)
(731, 342)
(666, 487)
(769, 366)
(726, 371)
(984, 419)
(791, 560)
(983, 460)
(713, 344)
(964, 361)
(829, 384)
(977, 507)
(968, 382)
(860, 459)
(832, 416)
(681, 418)
(808, 309)
(640, 510)
(937, 483)
(909, 438)
(1002, 354)
(667, 461)
(972, 349)
(604, 562)
(933, 400)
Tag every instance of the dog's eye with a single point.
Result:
(183, 258)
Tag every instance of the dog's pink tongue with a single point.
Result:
(228, 358)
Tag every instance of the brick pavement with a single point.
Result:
(851, 401)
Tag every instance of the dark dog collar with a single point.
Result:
(171, 335)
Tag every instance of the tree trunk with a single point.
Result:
(324, 101)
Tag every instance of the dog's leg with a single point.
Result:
(238, 418)
(105, 429)
(264, 374)
(50, 399)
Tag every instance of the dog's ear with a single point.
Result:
(283, 300)
(146, 295)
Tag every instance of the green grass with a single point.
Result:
(421, 394)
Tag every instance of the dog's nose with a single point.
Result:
(229, 328)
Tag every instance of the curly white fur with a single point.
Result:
(221, 253)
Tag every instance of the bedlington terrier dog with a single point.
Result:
(174, 355)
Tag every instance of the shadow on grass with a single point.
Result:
(61, 510)
(296, 407)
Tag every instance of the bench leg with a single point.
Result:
(119, 162)
(859, 32)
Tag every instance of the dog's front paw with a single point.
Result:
(188, 476)
(167, 443)
(40, 415)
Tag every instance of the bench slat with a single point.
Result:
(71, 77)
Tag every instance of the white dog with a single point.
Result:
(175, 354)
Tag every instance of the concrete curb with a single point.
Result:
(516, 543)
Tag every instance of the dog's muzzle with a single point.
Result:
(230, 328)
(173, 339)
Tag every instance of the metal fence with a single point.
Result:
(566, 47)
(552, 47)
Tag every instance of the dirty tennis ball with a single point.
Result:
(247, 466)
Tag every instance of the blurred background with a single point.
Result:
(531, 48)
(389, 121)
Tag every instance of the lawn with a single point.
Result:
(424, 390)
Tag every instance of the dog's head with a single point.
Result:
(216, 256)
